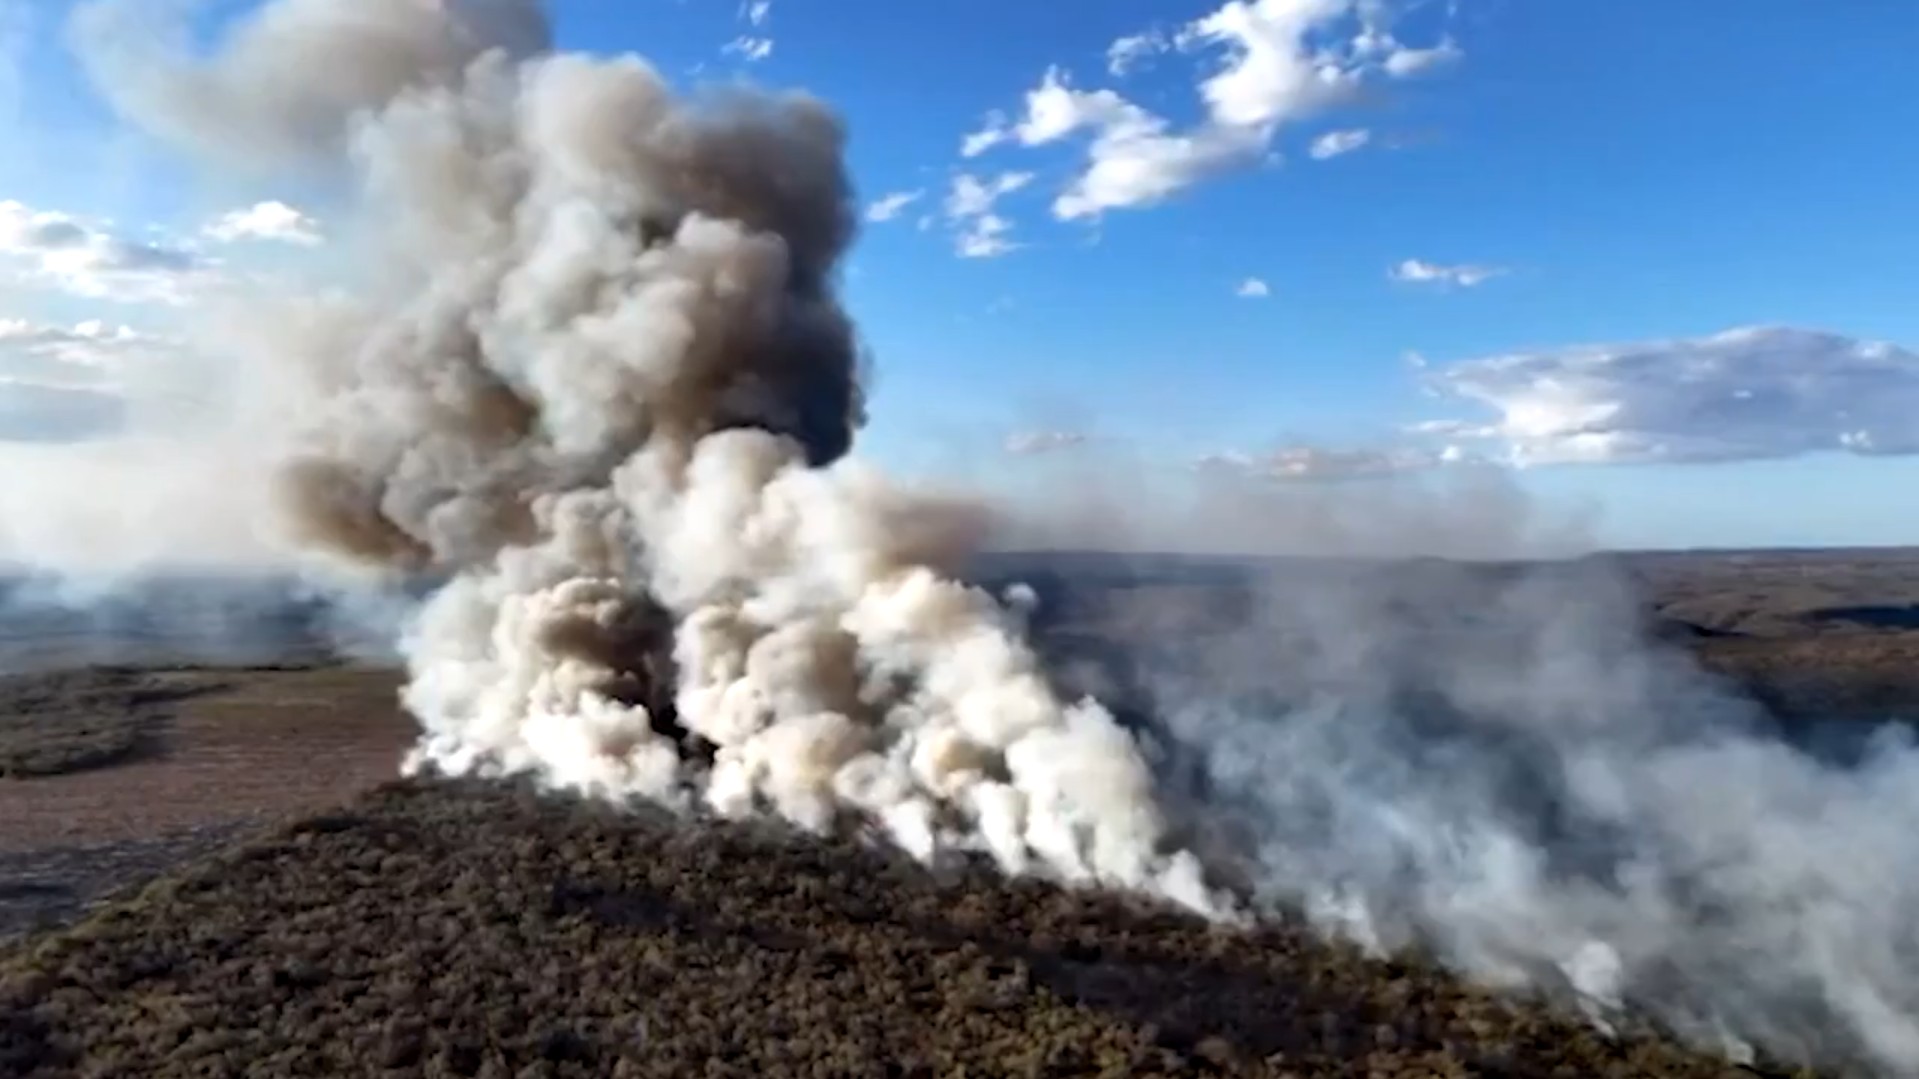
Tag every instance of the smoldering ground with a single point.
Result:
(595, 375)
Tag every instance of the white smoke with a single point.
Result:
(595, 376)
(1497, 766)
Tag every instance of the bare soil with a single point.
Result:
(234, 745)
(217, 752)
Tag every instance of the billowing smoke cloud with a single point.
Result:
(596, 378)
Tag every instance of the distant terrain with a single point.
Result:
(463, 931)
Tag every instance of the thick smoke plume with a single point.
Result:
(595, 378)
(598, 378)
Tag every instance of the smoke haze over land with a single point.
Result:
(595, 375)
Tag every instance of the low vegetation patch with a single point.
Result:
(455, 929)
(54, 723)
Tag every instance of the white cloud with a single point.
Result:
(1032, 443)
(84, 259)
(1127, 54)
(981, 231)
(986, 237)
(1054, 110)
(275, 221)
(888, 207)
(1253, 289)
(84, 354)
(1748, 393)
(755, 44)
(1277, 72)
(1464, 275)
(1334, 143)
(1404, 63)
(66, 383)
(972, 196)
(993, 132)
(1284, 60)
(749, 48)
(1134, 160)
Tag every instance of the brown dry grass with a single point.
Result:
(481, 931)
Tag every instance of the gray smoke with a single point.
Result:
(289, 84)
(1496, 762)
(595, 377)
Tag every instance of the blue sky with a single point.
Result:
(1544, 221)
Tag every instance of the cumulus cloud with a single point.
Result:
(888, 207)
(87, 259)
(1134, 158)
(1032, 443)
(1334, 143)
(1283, 60)
(1463, 275)
(273, 221)
(980, 231)
(1253, 289)
(1748, 393)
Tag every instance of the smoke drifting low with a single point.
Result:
(1497, 766)
(595, 377)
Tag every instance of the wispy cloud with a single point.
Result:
(1335, 143)
(271, 221)
(1747, 393)
(756, 43)
(1463, 275)
(1253, 289)
(982, 232)
(888, 207)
